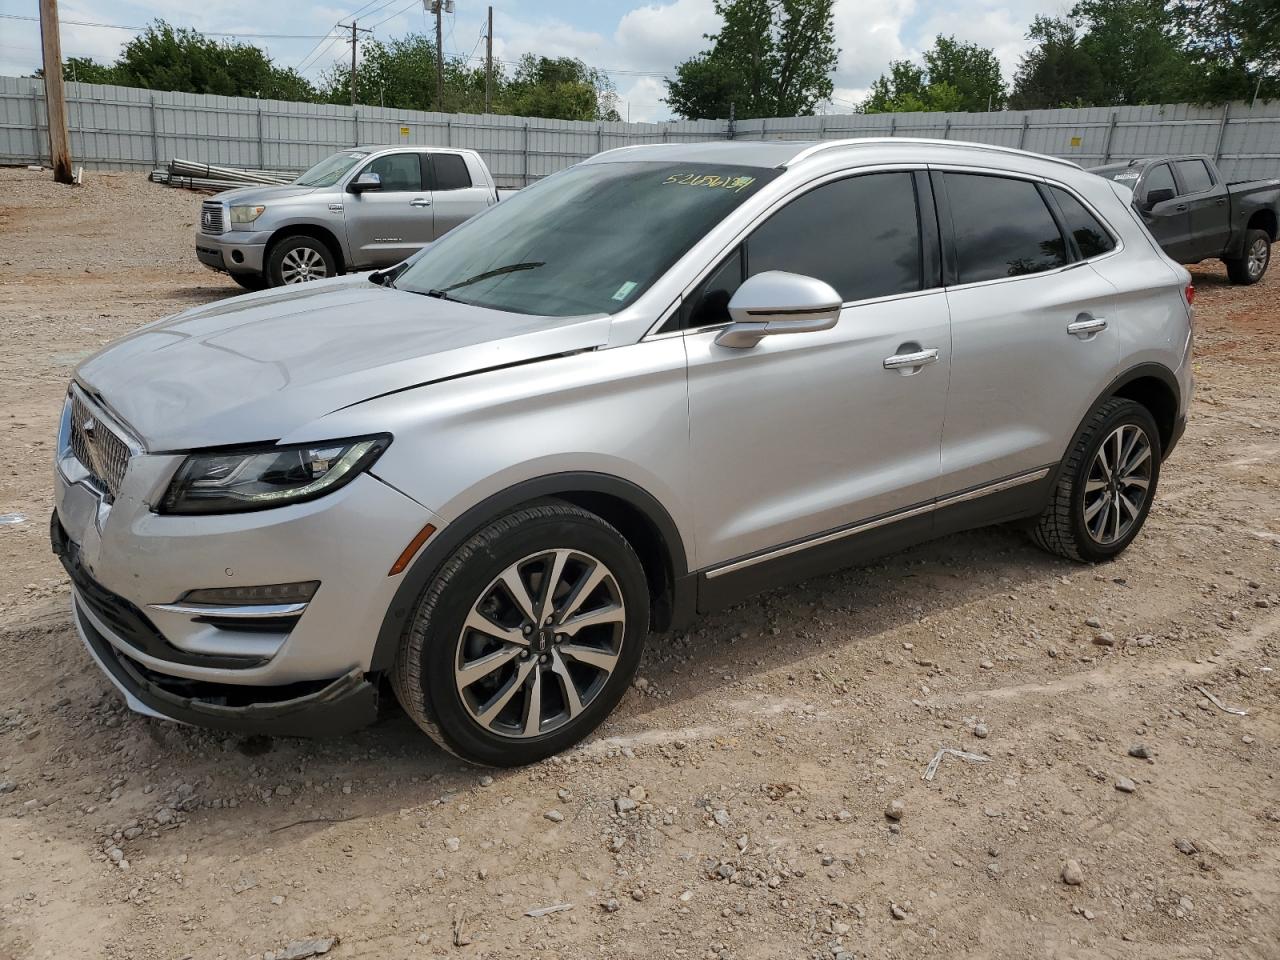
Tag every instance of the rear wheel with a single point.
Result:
(1251, 267)
(299, 259)
(1106, 485)
(527, 638)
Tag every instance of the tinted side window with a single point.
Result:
(1159, 177)
(1091, 237)
(1195, 175)
(399, 171)
(709, 304)
(860, 235)
(1002, 228)
(450, 172)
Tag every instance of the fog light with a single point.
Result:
(243, 596)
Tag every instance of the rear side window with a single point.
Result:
(1091, 237)
(1195, 174)
(1159, 178)
(399, 171)
(1002, 228)
(450, 171)
(861, 235)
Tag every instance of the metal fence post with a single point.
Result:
(599, 138)
(155, 135)
(35, 125)
(524, 176)
(946, 130)
(764, 128)
(1111, 130)
(1022, 134)
(355, 127)
(1222, 131)
(822, 127)
(448, 133)
(262, 157)
(893, 126)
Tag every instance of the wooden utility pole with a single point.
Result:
(54, 95)
(488, 65)
(438, 6)
(354, 41)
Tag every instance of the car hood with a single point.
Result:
(254, 368)
(264, 193)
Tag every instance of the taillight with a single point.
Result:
(1190, 294)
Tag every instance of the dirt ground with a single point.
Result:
(735, 805)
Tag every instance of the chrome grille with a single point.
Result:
(97, 447)
(211, 219)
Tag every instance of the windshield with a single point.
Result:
(1125, 175)
(330, 170)
(588, 240)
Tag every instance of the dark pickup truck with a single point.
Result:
(1196, 215)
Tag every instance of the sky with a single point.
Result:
(636, 42)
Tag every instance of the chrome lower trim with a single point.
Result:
(253, 611)
(998, 486)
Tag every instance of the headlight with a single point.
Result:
(244, 215)
(255, 478)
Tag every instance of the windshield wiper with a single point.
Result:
(497, 272)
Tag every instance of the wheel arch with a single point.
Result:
(633, 511)
(1264, 219)
(313, 230)
(1155, 387)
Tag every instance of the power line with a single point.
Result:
(207, 33)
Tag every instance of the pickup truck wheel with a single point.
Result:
(527, 638)
(1106, 485)
(299, 259)
(250, 281)
(1251, 267)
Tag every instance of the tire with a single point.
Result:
(1252, 265)
(470, 714)
(250, 281)
(1069, 524)
(298, 258)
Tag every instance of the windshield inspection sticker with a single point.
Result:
(624, 291)
(710, 180)
(1127, 175)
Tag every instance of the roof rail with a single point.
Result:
(934, 142)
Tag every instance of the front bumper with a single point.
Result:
(236, 251)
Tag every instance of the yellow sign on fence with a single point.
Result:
(404, 131)
(1075, 141)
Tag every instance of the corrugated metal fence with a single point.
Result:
(127, 128)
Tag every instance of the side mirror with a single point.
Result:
(366, 181)
(1157, 196)
(778, 302)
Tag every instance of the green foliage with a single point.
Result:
(1138, 56)
(1233, 45)
(563, 88)
(1057, 71)
(771, 58)
(955, 76)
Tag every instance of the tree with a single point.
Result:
(1233, 44)
(1057, 71)
(563, 88)
(771, 58)
(956, 77)
(1132, 43)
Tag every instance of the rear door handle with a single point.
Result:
(1182, 208)
(1086, 326)
(920, 358)
(419, 202)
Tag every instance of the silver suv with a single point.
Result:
(359, 209)
(641, 389)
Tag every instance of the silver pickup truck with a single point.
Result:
(360, 209)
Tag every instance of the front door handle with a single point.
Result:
(419, 202)
(1182, 208)
(919, 358)
(1085, 326)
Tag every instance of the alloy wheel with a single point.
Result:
(302, 264)
(540, 643)
(1118, 484)
(1259, 251)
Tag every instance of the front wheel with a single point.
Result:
(1105, 486)
(1257, 256)
(527, 638)
(299, 259)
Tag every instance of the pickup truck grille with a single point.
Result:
(98, 448)
(211, 218)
